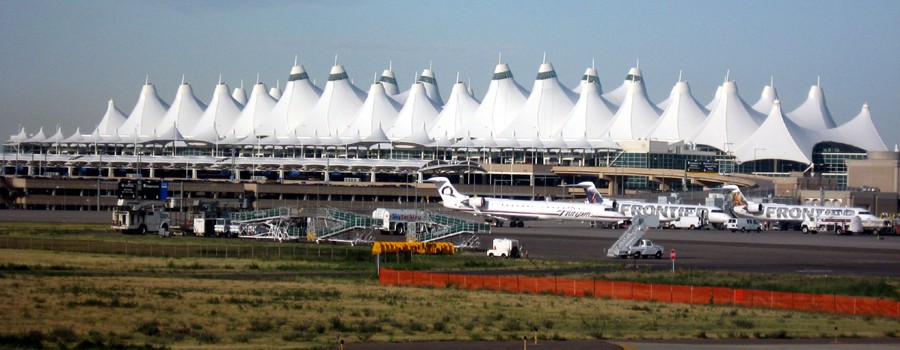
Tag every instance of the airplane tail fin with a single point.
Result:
(735, 196)
(590, 192)
(449, 194)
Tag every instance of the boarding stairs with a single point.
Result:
(639, 226)
(335, 222)
(268, 224)
(446, 227)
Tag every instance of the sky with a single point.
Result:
(62, 61)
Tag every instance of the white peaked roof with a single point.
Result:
(715, 101)
(218, 118)
(57, 137)
(184, 113)
(377, 112)
(813, 113)
(20, 137)
(389, 83)
(635, 116)
(617, 96)
(275, 91)
(335, 109)
(112, 120)
(418, 137)
(300, 95)
(546, 108)
(730, 123)
(590, 76)
(77, 137)
(502, 101)
(431, 88)
(146, 115)
(252, 117)
(859, 132)
(376, 136)
(170, 134)
(240, 95)
(590, 116)
(778, 138)
(766, 99)
(418, 110)
(682, 117)
(459, 106)
(37, 138)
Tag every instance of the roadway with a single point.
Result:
(765, 252)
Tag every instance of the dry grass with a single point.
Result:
(114, 300)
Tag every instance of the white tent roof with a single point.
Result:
(77, 137)
(682, 117)
(635, 116)
(252, 117)
(389, 82)
(431, 88)
(859, 132)
(715, 101)
(146, 115)
(112, 119)
(591, 115)
(617, 96)
(184, 113)
(778, 138)
(545, 109)
(378, 111)
(299, 97)
(813, 113)
(218, 118)
(20, 137)
(57, 137)
(37, 138)
(502, 101)
(459, 106)
(240, 95)
(730, 123)
(590, 76)
(418, 110)
(335, 109)
(275, 91)
(766, 99)
(418, 137)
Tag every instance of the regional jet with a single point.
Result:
(666, 212)
(787, 214)
(516, 211)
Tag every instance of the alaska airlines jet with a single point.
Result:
(788, 214)
(517, 211)
(666, 212)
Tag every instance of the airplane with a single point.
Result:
(789, 215)
(516, 211)
(666, 212)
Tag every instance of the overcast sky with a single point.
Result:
(61, 61)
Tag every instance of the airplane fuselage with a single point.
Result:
(796, 213)
(541, 210)
(670, 212)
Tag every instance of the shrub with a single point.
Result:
(149, 328)
(261, 325)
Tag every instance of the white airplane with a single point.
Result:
(787, 214)
(517, 211)
(666, 212)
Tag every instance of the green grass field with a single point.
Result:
(55, 297)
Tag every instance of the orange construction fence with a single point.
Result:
(664, 293)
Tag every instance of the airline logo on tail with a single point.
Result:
(735, 197)
(448, 193)
(590, 191)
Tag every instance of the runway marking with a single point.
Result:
(814, 271)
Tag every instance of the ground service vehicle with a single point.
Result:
(743, 225)
(645, 248)
(135, 217)
(398, 221)
(505, 248)
(838, 225)
(689, 222)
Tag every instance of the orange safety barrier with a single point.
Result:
(430, 248)
(665, 293)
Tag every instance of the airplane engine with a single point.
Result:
(755, 208)
(476, 202)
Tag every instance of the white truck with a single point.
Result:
(631, 244)
(688, 222)
(135, 217)
(505, 248)
(399, 221)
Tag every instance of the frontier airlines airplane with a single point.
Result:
(517, 211)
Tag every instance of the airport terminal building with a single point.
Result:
(511, 141)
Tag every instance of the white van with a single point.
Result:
(743, 225)
(689, 222)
